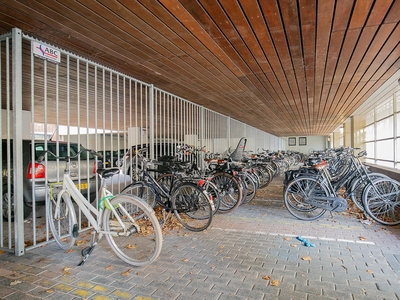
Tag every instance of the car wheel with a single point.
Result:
(8, 200)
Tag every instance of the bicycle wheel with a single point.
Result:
(141, 190)
(298, 191)
(213, 192)
(357, 187)
(251, 186)
(166, 180)
(230, 191)
(192, 206)
(140, 244)
(381, 201)
(62, 220)
(265, 176)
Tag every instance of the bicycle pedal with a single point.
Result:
(75, 232)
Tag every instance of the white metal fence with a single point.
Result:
(79, 101)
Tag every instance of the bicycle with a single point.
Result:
(309, 195)
(381, 200)
(129, 224)
(189, 202)
(190, 171)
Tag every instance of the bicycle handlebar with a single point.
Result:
(41, 157)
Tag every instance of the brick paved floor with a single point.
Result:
(251, 253)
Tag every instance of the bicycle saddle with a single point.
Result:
(107, 173)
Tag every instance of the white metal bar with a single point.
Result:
(17, 140)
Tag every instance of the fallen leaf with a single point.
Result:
(66, 269)
(361, 238)
(266, 277)
(370, 271)
(287, 238)
(80, 242)
(109, 268)
(126, 273)
(129, 246)
(50, 291)
(306, 257)
(293, 245)
(274, 282)
(69, 251)
(15, 282)
(185, 260)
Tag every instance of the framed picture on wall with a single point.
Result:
(292, 141)
(302, 141)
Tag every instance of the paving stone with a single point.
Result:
(228, 261)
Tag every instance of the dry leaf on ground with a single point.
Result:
(306, 258)
(126, 273)
(15, 282)
(274, 282)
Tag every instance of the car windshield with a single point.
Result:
(63, 151)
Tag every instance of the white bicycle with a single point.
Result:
(128, 223)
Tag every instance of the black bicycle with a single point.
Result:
(188, 200)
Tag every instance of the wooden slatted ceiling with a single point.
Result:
(287, 67)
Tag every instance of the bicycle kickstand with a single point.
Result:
(164, 218)
(87, 251)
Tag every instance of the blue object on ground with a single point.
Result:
(305, 242)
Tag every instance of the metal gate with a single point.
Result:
(51, 97)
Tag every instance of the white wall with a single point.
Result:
(312, 143)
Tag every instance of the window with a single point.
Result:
(384, 128)
(398, 101)
(370, 147)
(384, 150)
(302, 141)
(292, 141)
(385, 110)
(370, 133)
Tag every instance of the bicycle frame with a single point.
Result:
(156, 187)
(86, 207)
(68, 186)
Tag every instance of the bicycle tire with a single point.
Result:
(251, 186)
(381, 201)
(62, 220)
(230, 191)
(143, 191)
(165, 181)
(265, 176)
(296, 194)
(213, 191)
(191, 206)
(141, 247)
(357, 187)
